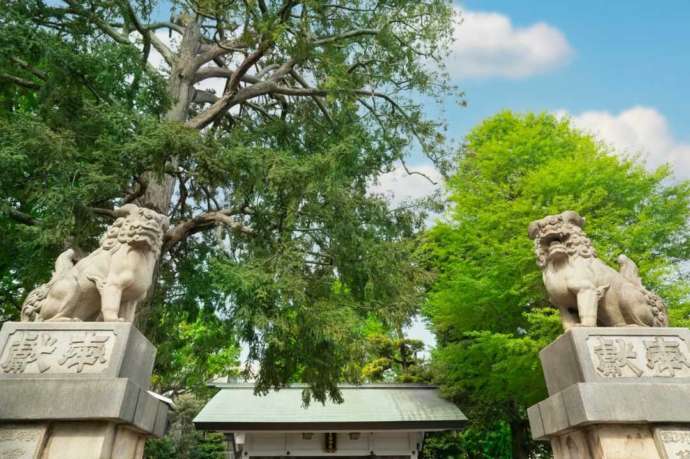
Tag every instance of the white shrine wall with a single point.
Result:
(403, 444)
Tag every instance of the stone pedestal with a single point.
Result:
(76, 390)
(616, 393)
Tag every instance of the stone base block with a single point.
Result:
(114, 399)
(70, 440)
(633, 441)
(607, 442)
(75, 350)
(617, 354)
(585, 404)
(616, 393)
(76, 390)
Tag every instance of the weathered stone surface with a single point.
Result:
(108, 284)
(75, 350)
(607, 442)
(572, 445)
(553, 414)
(76, 390)
(80, 440)
(160, 426)
(128, 444)
(595, 403)
(586, 291)
(673, 441)
(536, 422)
(116, 399)
(146, 412)
(22, 441)
(620, 355)
(621, 442)
(73, 371)
(70, 440)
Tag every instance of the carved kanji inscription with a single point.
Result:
(56, 352)
(639, 356)
(675, 442)
(21, 441)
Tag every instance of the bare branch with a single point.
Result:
(219, 49)
(212, 72)
(164, 50)
(346, 35)
(246, 64)
(141, 189)
(164, 25)
(232, 96)
(104, 212)
(222, 72)
(76, 8)
(318, 101)
(149, 37)
(229, 100)
(28, 84)
(21, 217)
(266, 69)
(203, 222)
(259, 109)
(26, 66)
(204, 97)
(421, 174)
(283, 70)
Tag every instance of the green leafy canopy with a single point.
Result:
(488, 307)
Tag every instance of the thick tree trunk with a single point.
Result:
(159, 191)
(518, 432)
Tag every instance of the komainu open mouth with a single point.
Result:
(554, 242)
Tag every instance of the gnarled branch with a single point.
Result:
(203, 222)
(23, 82)
(22, 217)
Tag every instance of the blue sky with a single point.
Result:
(624, 54)
(619, 69)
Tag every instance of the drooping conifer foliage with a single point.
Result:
(275, 239)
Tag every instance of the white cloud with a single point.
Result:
(399, 186)
(419, 330)
(488, 45)
(638, 130)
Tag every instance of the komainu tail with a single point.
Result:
(629, 271)
(65, 261)
(658, 309)
(31, 308)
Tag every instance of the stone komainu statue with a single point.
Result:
(588, 292)
(108, 283)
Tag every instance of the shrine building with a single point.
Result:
(386, 421)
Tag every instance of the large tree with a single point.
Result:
(275, 239)
(488, 307)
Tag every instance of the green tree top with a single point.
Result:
(488, 306)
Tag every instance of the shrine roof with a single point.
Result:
(235, 408)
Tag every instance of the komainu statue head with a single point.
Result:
(587, 291)
(108, 283)
(137, 227)
(558, 237)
